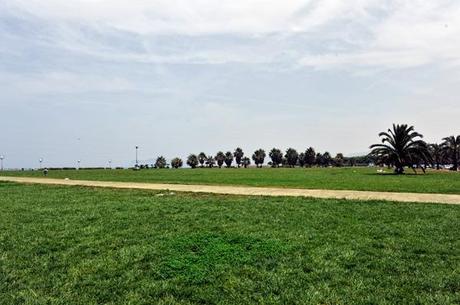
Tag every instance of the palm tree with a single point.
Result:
(220, 158)
(451, 148)
(401, 146)
(228, 159)
(176, 162)
(310, 157)
(160, 162)
(437, 155)
(192, 161)
(291, 157)
(259, 157)
(238, 154)
(202, 158)
(339, 160)
(326, 159)
(246, 162)
(277, 157)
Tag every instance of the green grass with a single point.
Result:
(313, 178)
(72, 245)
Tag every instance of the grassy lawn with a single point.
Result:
(70, 245)
(314, 178)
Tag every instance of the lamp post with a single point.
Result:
(137, 160)
(1, 162)
(40, 160)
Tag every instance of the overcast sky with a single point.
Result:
(91, 79)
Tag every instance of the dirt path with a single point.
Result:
(255, 191)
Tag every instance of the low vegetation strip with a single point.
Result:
(254, 191)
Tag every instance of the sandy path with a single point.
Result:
(255, 191)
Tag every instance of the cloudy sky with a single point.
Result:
(91, 79)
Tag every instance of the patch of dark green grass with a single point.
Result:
(356, 178)
(70, 245)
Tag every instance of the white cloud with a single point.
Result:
(320, 34)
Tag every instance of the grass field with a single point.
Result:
(314, 178)
(72, 245)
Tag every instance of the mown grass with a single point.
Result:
(71, 245)
(366, 179)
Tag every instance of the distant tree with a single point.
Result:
(451, 148)
(238, 154)
(326, 159)
(245, 161)
(291, 157)
(401, 146)
(210, 162)
(310, 157)
(259, 157)
(339, 160)
(437, 155)
(319, 159)
(160, 162)
(202, 158)
(302, 159)
(176, 162)
(276, 156)
(220, 158)
(228, 159)
(192, 161)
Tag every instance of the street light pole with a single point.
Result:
(1, 162)
(137, 160)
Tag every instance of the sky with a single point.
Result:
(91, 79)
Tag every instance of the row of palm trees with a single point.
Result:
(401, 147)
(291, 158)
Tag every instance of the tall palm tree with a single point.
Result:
(202, 158)
(401, 146)
(160, 162)
(192, 160)
(238, 154)
(259, 157)
(310, 157)
(228, 159)
(326, 159)
(292, 156)
(220, 158)
(176, 162)
(277, 157)
(451, 148)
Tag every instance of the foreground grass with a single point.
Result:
(365, 179)
(69, 245)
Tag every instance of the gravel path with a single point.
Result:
(254, 191)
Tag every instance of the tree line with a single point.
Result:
(275, 157)
(401, 147)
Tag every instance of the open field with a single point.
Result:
(75, 245)
(364, 179)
